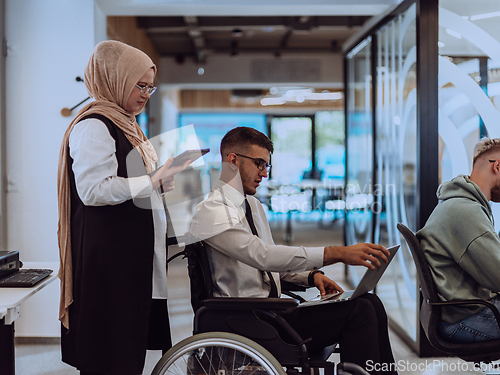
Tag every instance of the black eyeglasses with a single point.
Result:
(492, 161)
(260, 163)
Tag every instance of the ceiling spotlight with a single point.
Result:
(237, 33)
(201, 71)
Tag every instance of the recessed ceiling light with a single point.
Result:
(237, 33)
(484, 15)
(272, 101)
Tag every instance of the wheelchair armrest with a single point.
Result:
(488, 304)
(291, 287)
(287, 288)
(293, 295)
(250, 303)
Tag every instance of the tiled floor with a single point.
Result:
(45, 359)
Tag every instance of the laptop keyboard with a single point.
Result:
(347, 294)
(327, 297)
(25, 278)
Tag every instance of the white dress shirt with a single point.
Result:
(92, 149)
(237, 257)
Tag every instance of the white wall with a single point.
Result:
(50, 42)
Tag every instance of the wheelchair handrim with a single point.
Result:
(221, 339)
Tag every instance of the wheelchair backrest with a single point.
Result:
(200, 277)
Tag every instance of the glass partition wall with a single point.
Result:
(395, 161)
(3, 177)
(383, 156)
(422, 87)
(469, 83)
(359, 145)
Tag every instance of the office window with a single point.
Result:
(308, 163)
(209, 128)
(206, 130)
(291, 137)
(330, 149)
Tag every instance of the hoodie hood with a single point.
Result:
(462, 187)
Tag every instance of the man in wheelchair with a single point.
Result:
(245, 262)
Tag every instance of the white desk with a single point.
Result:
(10, 302)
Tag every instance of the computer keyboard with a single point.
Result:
(25, 277)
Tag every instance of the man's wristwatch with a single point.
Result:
(310, 278)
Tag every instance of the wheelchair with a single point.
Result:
(242, 336)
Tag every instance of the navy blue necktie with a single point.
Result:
(248, 214)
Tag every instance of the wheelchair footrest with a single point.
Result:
(323, 355)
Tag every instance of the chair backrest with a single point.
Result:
(429, 315)
(427, 285)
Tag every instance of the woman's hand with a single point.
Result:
(164, 176)
(326, 285)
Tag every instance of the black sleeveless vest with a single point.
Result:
(112, 249)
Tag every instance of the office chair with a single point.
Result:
(430, 311)
(243, 333)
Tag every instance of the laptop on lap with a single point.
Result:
(367, 284)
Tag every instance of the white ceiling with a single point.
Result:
(245, 7)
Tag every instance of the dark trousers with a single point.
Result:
(359, 326)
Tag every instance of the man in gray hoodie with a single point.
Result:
(463, 249)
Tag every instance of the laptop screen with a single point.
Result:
(371, 277)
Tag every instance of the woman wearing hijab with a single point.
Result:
(112, 250)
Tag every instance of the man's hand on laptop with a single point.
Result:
(361, 254)
(326, 285)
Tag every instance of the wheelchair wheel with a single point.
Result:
(217, 353)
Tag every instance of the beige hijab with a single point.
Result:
(110, 76)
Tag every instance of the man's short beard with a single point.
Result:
(495, 193)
